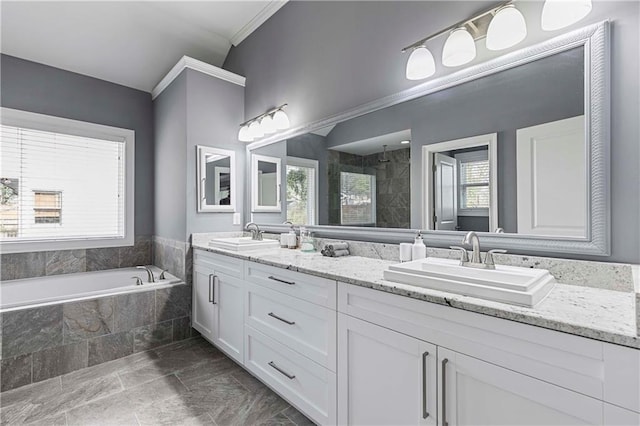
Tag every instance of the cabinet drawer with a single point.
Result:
(307, 287)
(307, 385)
(302, 326)
(224, 264)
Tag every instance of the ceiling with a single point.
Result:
(376, 144)
(130, 43)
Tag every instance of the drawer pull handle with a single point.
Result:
(271, 277)
(281, 371)
(444, 392)
(425, 413)
(271, 314)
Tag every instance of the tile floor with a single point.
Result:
(185, 383)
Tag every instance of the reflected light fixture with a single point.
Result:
(265, 124)
(506, 29)
(503, 26)
(420, 64)
(459, 49)
(405, 142)
(557, 14)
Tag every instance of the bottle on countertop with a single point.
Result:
(419, 250)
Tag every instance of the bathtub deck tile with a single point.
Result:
(134, 310)
(88, 318)
(15, 372)
(100, 259)
(110, 347)
(138, 254)
(152, 336)
(60, 360)
(31, 330)
(65, 262)
(173, 302)
(14, 266)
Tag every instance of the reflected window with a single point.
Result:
(48, 206)
(302, 191)
(357, 199)
(473, 179)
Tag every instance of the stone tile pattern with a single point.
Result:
(174, 256)
(188, 382)
(393, 186)
(44, 342)
(28, 265)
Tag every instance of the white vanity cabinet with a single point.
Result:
(218, 300)
(385, 378)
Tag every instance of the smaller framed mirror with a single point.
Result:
(216, 180)
(265, 183)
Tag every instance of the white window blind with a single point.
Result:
(473, 180)
(357, 199)
(58, 186)
(301, 196)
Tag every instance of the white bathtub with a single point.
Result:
(41, 291)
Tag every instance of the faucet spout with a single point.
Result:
(472, 239)
(150, 277)
(256, 234)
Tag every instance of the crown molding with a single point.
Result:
(266, 13)
(196, 65)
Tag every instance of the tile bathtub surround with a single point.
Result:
(44, 342)
(38, 264)
(188, 382)
(173, 256)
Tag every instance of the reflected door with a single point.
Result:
(445, 192)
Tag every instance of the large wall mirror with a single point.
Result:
(216, 179)
(516, 148)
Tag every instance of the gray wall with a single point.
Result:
(34, 87)
(170, 112)
(195, 109)
(323, 58)
(314, 147)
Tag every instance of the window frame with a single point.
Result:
(310, 164)
(470, 157)
(49, 123)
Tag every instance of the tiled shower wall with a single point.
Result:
(38, 264)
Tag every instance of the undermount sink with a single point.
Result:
(242, 243)
(507, 284)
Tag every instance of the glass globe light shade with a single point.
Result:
(256, 130)
(420, 64)
(459, 48)
(507, 28)
(267, 125)
(557, 14)
(244, 135)
(281, 120)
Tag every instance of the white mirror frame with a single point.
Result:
(595, 40)
(255, 207)
(203, 207)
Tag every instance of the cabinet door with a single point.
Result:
(203, 308)
(228, 301)
(479, 393)
(386, 378)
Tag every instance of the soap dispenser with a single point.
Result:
(419, 250)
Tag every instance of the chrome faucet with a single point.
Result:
(472, 238)
(256, 233)
(150, 278)
(476, 261)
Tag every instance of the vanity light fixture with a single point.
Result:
(503, 26)
(265, 124)
(557, 14)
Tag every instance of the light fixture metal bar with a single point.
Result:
(271, 111)
(459, 24)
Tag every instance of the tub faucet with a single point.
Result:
(150, 277)
(256, 233)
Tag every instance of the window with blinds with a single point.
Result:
(473, 182)
(357, 199)
(59, 186)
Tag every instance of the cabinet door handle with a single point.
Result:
(425, 413)
(271, 314)
(444, 392)
(210, 286)
(271, 277)
(213, 298)
(281, 371)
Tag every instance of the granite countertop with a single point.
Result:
(595, 313)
